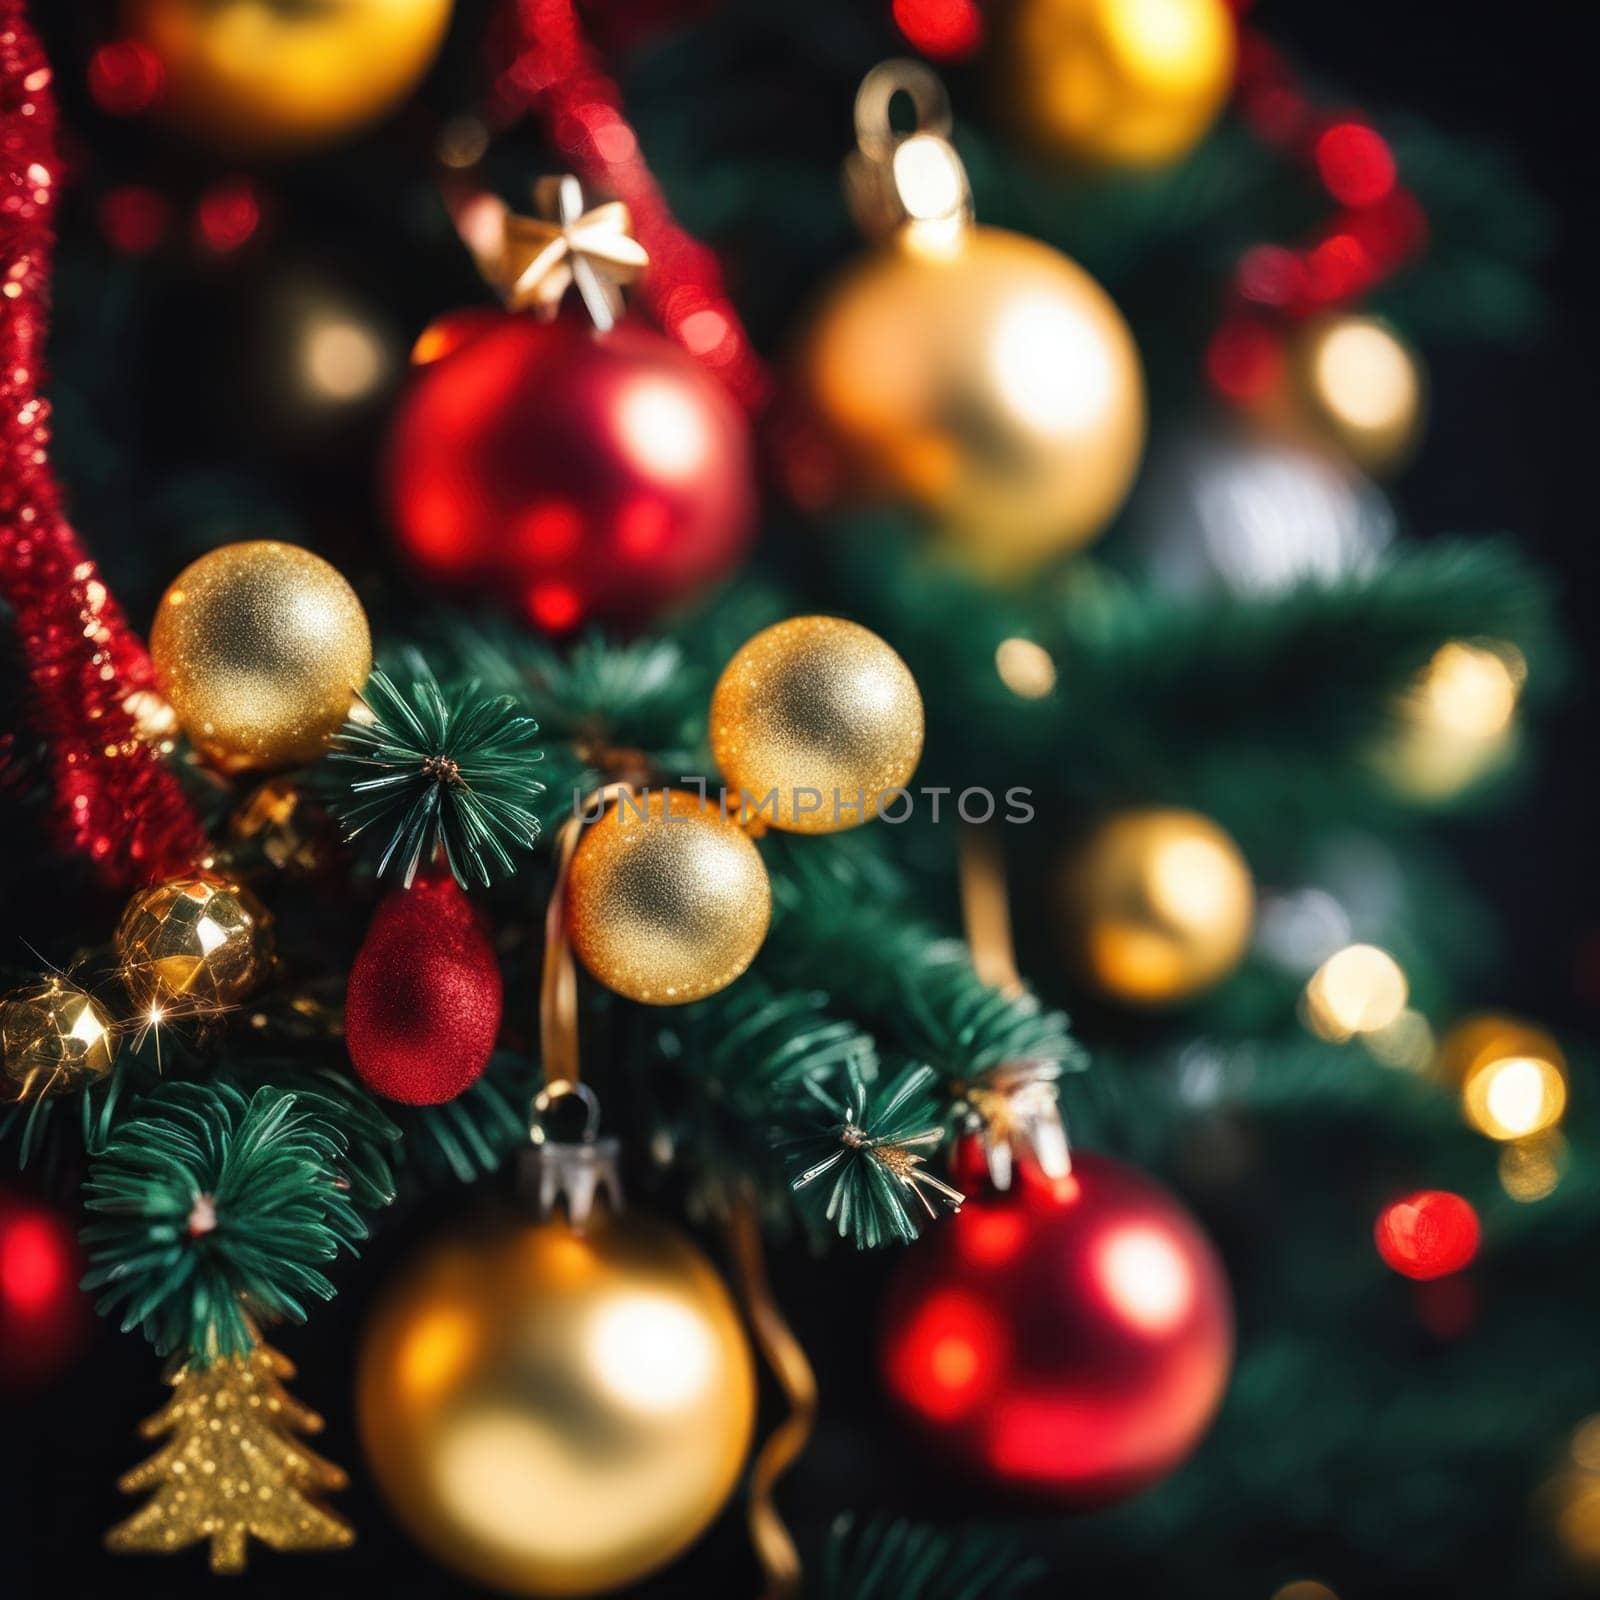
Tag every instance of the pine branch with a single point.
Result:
(221, 1208)
(862, 1163)
(440, 772)
(469, 1137)
(904, 1561)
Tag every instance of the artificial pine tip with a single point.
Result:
(441, 773)
(894, 1560)
(864, 1163)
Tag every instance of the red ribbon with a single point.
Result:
(555, 71)
(114, 800)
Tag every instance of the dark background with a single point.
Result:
(1511, 445)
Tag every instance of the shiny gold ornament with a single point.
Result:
(1359, 385)
(667, 901)
(54, 1039)
(193, 945)
(231, 1469)
(976, 372)
(1159, 905)
(552, 1412)
(1134, 83)
(279, 824)
(259, 647)
(267, 77)
(813, 722)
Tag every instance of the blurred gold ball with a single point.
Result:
(557, 1413)
(1361, 387)
(667, 900)
(193, 945)
(1133, 83)
(54, 1039)
(992, 381)
(1159, 904)
(812, 721)
(259, 647)
(267, 77)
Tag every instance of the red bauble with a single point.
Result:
(43, 1316)
(422, 1010)
(1066, 1339)
(571, 473)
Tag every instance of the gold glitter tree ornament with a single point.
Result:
(232, 1469)
(194, 945)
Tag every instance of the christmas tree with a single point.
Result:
(744, 688)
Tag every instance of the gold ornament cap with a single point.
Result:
(54, 1039)
(814, 722)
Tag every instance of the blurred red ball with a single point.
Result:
(573, 474)
(422, 1010)
(1066, 1339)
(43, 1316)
(1428, 1234)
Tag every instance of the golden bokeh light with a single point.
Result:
(1407, 1043)
(1025, 668)
(1510, 1097)
(1364, 386)
(1304, 1589)
(1358, 990)
(1530, 1169)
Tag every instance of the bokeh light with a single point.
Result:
(1360, 989)
(1530, 1169)
(1428, 1234)
(1025, 668)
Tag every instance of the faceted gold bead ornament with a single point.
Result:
(260, 646)
(813, 722)
(193, 945)
(555, 1412)
(1159, 904)
(55, 1039)
(668, 900)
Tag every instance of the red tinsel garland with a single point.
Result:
(555, 71)
(115, 802)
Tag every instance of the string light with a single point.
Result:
(1358, 990)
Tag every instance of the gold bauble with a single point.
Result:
(54, 1039)
(259, 647)
(667, 901)
(1131, 83)
(557, 1413)
(813, 721)
(193, 945)
(267, 77)
(1160, 905)
(1360, 386)
(281, 825)
(988, 378)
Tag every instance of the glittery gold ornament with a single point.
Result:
(813, 722)
(1159, 905)
(975, 372)
(272, 76)
(231, 1469)
(1116, 82)
(1356, 383)
(667, 900)
(54, 1039)
(259, 647)
(554, 1412)
(196, 944)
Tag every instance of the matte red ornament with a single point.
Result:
(43, 1315)
(1068, 1339)
(1426, 1235)
(573, 474)
(422, 1010)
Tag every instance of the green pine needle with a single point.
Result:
(220, 1208)
(442, 772)
(862, 1165)
(469, 1137)
(904, 1561)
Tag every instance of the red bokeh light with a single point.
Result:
(1244, 360)
(1428, 1234)
(125, 77)
(43, 1317)
(228, 215)
(944, 30)
(1355, 163)
(134, 219)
